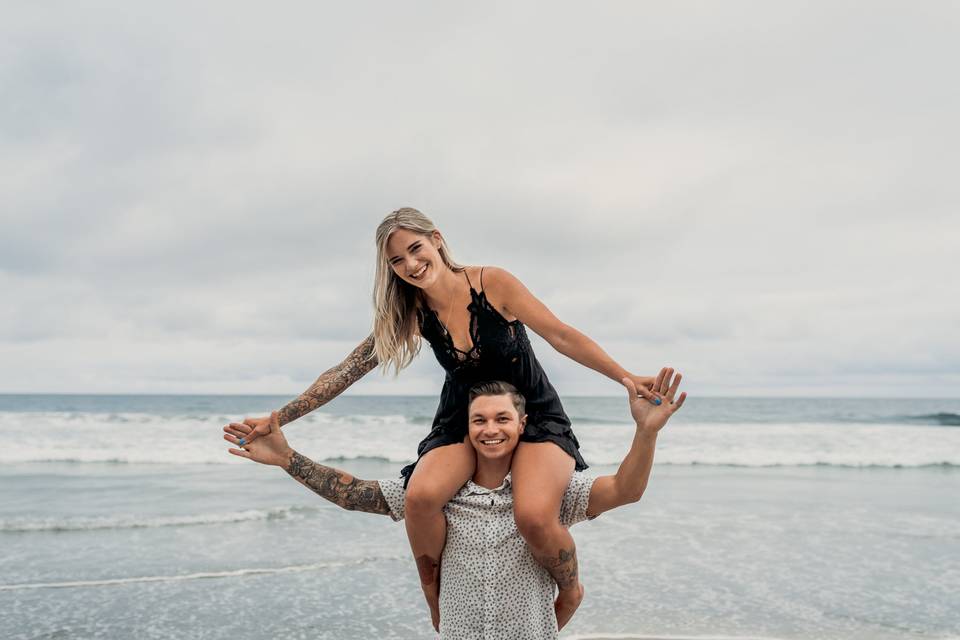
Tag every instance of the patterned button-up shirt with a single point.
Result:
(490, 585)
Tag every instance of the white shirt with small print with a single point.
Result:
(491, 588)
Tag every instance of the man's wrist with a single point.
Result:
(286, 459)
(647, 433)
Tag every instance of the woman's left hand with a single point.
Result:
(643, 381)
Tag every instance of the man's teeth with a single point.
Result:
(492, 441)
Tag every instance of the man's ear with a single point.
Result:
(523, 422)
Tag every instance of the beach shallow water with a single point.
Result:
(154, 549)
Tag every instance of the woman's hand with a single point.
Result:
(270, 448)
(652, 408)
(250, 429)
(645, 382)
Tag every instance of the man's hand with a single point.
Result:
(651, 410)
(270, 448)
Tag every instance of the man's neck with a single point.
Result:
(490, 473)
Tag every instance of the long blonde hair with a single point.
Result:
(395, 340)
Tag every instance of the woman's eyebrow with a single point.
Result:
(392, 258)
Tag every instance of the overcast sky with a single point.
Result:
(763, 195)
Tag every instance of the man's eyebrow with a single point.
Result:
(392, 258)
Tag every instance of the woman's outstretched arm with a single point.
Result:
(328, 386)
(331, 382)
(513, 298)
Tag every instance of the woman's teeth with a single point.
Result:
(419, 272)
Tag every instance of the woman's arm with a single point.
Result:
(332, 382)
(513, 298)
(328, 386)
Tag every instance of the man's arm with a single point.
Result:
(338, 487)
(630, 481)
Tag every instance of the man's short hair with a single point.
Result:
(498, 388)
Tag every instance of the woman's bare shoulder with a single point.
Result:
(500, 286)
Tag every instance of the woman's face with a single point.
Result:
(415, 257)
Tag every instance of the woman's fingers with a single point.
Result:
(235, 432)
(239, 426)
(233, 439)
(240, 452)
(633, 391)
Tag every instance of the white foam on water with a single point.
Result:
(139, 522)
(141, 438)
(194, 576)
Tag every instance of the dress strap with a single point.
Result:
(468, 278)
(481, 278)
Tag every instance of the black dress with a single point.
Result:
(501, 351)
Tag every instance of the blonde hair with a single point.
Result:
(395, 301)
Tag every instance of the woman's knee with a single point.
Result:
(537, 526)
(422, 500)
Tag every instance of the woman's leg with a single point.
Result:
(438, 476)
(541, 472)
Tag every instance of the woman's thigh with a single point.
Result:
(541, 473)
(439, 474)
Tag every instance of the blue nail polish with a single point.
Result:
(656, 401)
(242, 441)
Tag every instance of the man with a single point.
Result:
(490, 584)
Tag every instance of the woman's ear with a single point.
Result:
(436, 238)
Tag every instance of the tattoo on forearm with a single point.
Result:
(428, 568)
(338, 487)
(332, 382)
(563, 567)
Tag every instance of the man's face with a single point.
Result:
(495, 426)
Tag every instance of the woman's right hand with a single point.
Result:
(256, 427)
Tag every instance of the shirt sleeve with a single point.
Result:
(573, 509)
(393, 492)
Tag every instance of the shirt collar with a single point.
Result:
(472, 488)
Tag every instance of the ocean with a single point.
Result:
(124, 516)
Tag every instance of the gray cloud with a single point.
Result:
(760, 194)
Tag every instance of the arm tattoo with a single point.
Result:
(338, 487)
(562, 568)
(332, 382)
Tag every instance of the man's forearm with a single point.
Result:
(331, 382)
(634, 472)
(338, 487)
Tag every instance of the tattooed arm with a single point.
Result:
(328, 386)
(338, 487)
(332, 382)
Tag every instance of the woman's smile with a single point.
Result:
(419, 273)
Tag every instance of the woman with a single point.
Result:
(476, 334)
